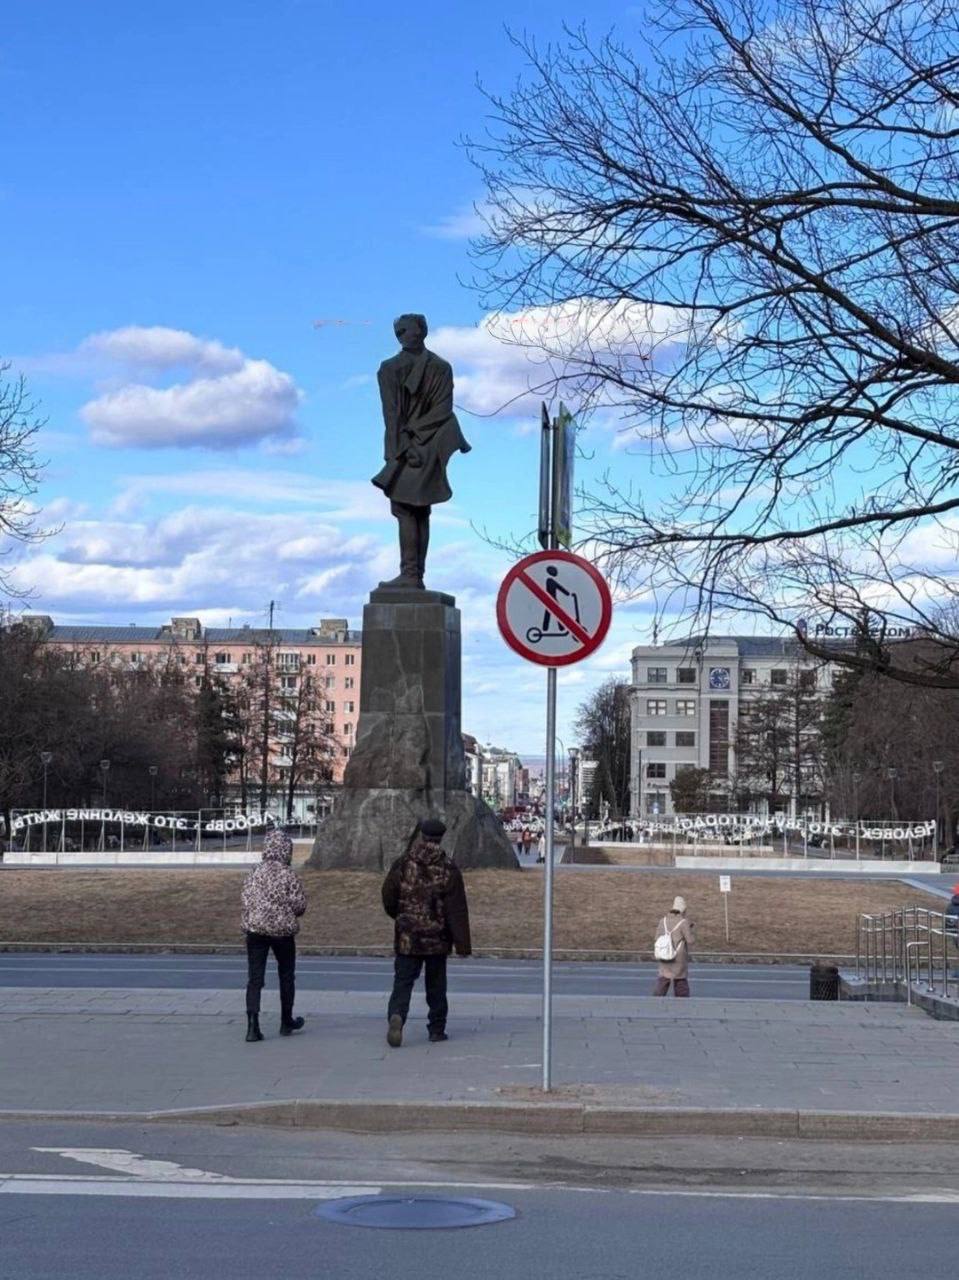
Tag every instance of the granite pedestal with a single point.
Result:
(408, 762)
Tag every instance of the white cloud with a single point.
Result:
(157, 347)
(458, 226)
(509, 360)
(250, 404)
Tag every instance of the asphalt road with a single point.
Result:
(201, 1204)
(358, 973)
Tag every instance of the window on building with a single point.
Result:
(288, 682)
(347, 729)
(656, 769)
(245, 659)
(747, 676)
(350, 659)
(685, 739)
(807, 680)
(779, 675)
(198, 681)
(685, 675)
(221, 658)
(346, 752)
(95, 656)
(311, 659)
(719, 737)
(655, 706)
(655, 738)
(329, 728)
(329, 682)
(655, 675)
(348, 682)
(331, 659)
(136, 657)
(686, 706)
(288, 661)
(329, 706)
(199, 658)
(349, 706)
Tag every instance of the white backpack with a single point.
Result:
(664, 948)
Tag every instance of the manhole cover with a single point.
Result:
(414, 1213)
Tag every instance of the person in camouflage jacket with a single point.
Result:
(424, 894)
(273, 901)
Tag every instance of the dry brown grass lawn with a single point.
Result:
(605, 911)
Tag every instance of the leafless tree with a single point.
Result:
(20, 470)
(742, 240)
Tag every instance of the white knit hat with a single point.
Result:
(679, 904)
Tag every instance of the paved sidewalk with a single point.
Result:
(104, 1049)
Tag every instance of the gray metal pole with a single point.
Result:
(548, 879)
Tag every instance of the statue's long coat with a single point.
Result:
(417, 397)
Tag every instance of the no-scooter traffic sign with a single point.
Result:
(554, 608)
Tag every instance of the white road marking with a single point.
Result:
(291, 1189)
(123, 1161)
(27, 1185)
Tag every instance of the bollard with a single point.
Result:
(823, 982)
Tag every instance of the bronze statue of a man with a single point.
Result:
(422, 434)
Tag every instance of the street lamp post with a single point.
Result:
(856, 777)
(45, 758)
(104, 770)
(573, 767)
(937, 768)
(153, 771)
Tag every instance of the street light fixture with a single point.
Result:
(891, 774)
(104, 769)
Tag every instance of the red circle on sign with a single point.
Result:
(587, 647)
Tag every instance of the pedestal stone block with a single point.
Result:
(408, 762)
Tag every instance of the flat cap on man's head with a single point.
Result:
(432, 828)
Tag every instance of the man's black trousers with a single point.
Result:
(258, 947)
(406, 969)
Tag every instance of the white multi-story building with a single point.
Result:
(686, 700)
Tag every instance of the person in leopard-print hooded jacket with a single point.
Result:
(273, 901)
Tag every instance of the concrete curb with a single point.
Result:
(554, 1119)
(386, 952)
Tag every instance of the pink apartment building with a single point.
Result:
(330, 652)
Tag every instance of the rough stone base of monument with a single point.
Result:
(371, 827)
(408, 763)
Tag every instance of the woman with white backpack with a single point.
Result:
(674, 937)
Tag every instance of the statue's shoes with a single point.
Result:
(404, 583)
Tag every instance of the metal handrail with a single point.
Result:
(897, 945)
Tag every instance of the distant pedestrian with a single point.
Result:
(527, 840)
(674, 937)
(541, 848)
(273, 901)
(425, 895)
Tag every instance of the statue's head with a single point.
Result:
(411, 330)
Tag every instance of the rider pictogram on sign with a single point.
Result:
(554, 608)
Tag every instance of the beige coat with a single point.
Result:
(683, 939)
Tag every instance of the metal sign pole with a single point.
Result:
(548, 879)
(548, 489)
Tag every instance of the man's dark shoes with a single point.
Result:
(293, 1024)
(436, 1037)
(394, 1036)
(253, 1031)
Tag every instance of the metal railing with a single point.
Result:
(910, 945)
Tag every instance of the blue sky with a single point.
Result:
(186, 190)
